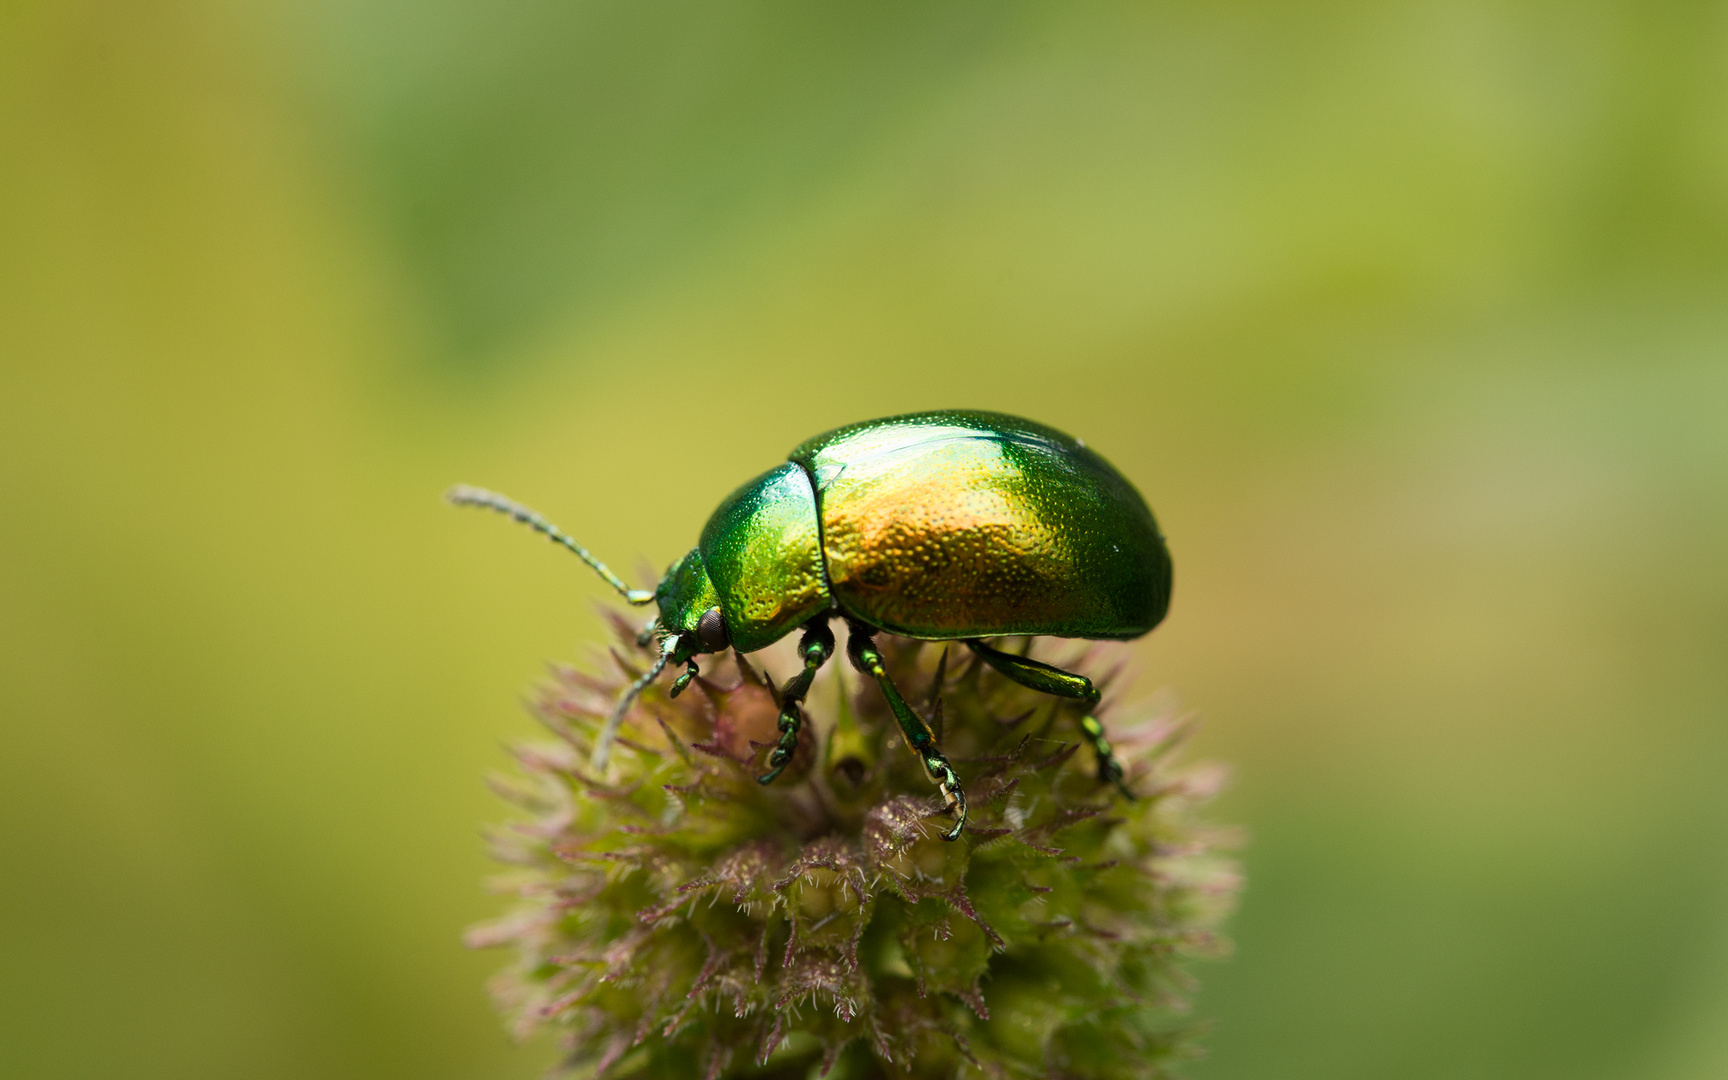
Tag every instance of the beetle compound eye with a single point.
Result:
(711, 630)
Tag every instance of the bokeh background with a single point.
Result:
(1408, 318)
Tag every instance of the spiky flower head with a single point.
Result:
(675, 918)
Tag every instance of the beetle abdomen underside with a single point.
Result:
(968, 524)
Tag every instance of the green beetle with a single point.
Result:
(945, 526)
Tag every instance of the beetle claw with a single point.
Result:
(771, 775)
(791, 719)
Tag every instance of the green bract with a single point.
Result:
(675, 918)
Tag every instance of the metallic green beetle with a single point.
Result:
(943, 526)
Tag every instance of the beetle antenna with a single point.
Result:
(463, 495)
(603, 745)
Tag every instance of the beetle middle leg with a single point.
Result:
(1064, 684)
(815, 648)
(867, 658)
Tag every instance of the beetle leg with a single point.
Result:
(1063, 684)
(683, 680)
(1109, 769)
(816, 647)
(861, 648)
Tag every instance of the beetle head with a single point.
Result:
(690, 610)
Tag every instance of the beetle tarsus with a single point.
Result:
(683, 680)
(952, 793)
(816, 647)
(1109, 768)
(867, 658)
(791, 719)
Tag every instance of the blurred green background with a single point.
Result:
(1408, 318)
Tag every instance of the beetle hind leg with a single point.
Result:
(815, 648)
(1109, 768)
(1063, 684)
(867, 658)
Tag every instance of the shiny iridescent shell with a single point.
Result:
(939, 525)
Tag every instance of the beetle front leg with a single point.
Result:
(861, 648)
(815, 648)
(1064, 684)
(683, 680)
